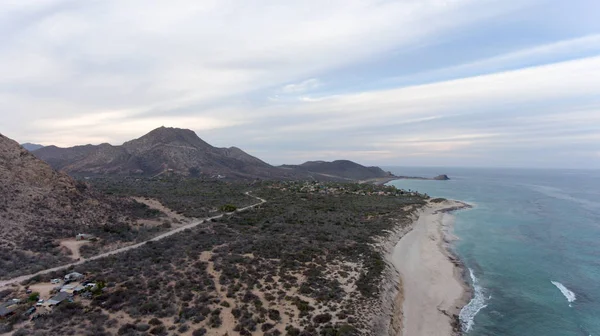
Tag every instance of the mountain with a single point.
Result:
(60, 158)
(341, 168)
(162, 150)
(31, 147)
(39, 205)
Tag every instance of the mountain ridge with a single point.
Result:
(181, 151)
(162, 149)
(31, 146)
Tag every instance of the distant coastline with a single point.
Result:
(384, 180)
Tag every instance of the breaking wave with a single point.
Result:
(565, 291)
(468, 312)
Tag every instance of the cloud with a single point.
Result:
(131, 54)
(563, 50)
(525, 109)
(301, 87)
(254, 74)
(539, 85)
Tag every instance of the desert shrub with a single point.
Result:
(274, 314)
(126, 329)
(199, 332)
(154, 321)
(228, 208)
(266, 326)
(158, 330)
(142, 327)
(322, 318)
(292, 331)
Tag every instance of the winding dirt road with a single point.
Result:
(19, 279)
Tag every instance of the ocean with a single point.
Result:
(531, 244)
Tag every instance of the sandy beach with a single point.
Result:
(432, 290)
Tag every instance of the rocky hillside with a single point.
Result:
(341, 168)
(162, 150)
(39, 206)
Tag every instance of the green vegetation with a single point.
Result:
(228, 208)
(191, 197)
(33, 297)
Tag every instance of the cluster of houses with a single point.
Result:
(314, 187)
(68, 289)
(72, 285)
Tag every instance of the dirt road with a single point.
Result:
(19, 279)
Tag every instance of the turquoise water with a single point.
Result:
(532, 243)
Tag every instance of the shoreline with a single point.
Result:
(384, 180)
(433, 287)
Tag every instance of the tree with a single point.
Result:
(33, 297)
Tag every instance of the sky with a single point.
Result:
(480, 83)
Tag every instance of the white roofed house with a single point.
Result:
(73, 289)
(74, 276)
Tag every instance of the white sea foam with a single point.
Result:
(565, 291)
(468, 312)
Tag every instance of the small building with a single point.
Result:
(7, 309)
(85, 236)
(58, 298)
(67, 289)
(73, 276)
(73, 289)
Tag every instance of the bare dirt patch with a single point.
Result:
(73, 246)
(155, 204)
(43, 288)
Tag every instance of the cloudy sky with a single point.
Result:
(512, 83)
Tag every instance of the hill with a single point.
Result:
(31, 147)
(341, 168)
(162, 150)
(39, 206)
